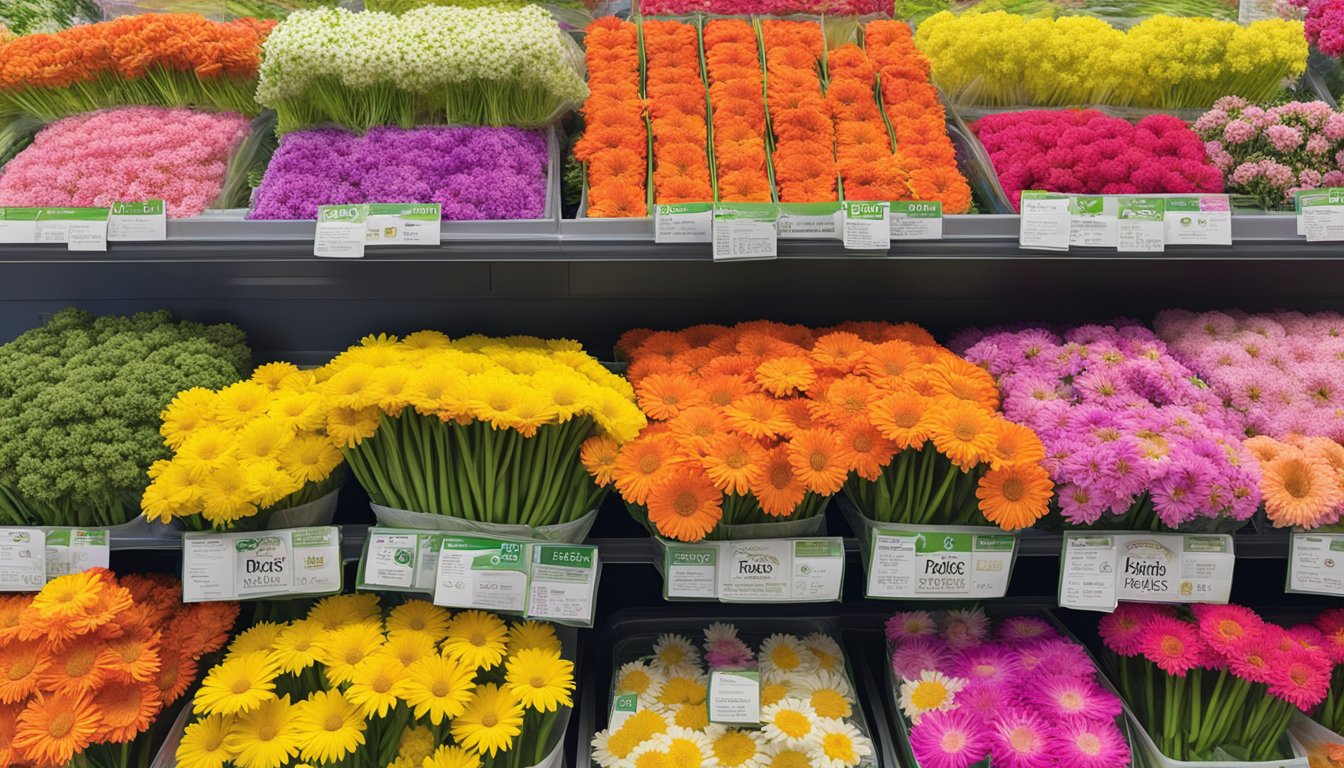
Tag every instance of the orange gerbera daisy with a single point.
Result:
(11, 613)
(722, 390)
(663, 396)
(695, 426)
(759, 416)
(22, 664)
(957, 378)
(815, 455)
(176, 674)
(135, 656)
(840, 351)
(800, 414)
(902, 418)
(1298, 490)
(963, 432)
(778, 490)
(1015, 444)
(644, 462)
(845, 400)
(786, 375)
(665, 344)
(864, 450)
(79, 666)
(686, 506)
(616, 200)
(65, 601)
(127, 709)
(1016, 496)
(889, 359)
(598, 455)
(9, 723)
(53, 728)
(732, 462)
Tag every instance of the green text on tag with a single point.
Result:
(81, 229)
(1140, 227)
(745, 231)
(755, 570)
(867, 225)
(932, 562)
(141, 221)
(263, 564)
(1316, 563)
(1320, 214)
(30, 557)
(916, 220)
(340, 231)
(683, 223)
(403, 224)
(1097, 570)
(734, 697)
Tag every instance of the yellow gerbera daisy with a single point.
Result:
(295, 648)
(339, 610)
(409, 647)
(419, 616)
(477, 639)
(202, 744)
(532, 634)
(257, 638)
(330, 725)
(438, 687)
(265, 737)
(342, 650)
(492, 719)
(452, 757)
(540, 679)
(376, 684)
(240, 683)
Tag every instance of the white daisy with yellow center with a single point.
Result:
(674, 654)
(932, 691)
(719, 632)
(837, 744)
(685, 747)
(791, 722)
(781, 756)
(785, 653)
(830, 694)
(736, 748)
(826, 651)
(640, 678)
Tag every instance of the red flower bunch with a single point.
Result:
(868, 167)
(675, 89)
(804, 155)
(1085, 151)
(615, 143)
(917, 117)
(737, 100)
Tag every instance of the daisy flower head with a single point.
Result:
(419, 616)
(331, 727)
(533, 634)
(542, 680)
(339, 610)
(736, 748)
(1300, 677)
(838, 744)
(826, 651)
(686, 747)
(1173, 645)
(650, 754)
(1123, 629)
(686, 715)
(1090, 744)
(952, 739)
(915, 656)
(491, 720)
(1062, 696)
(783, 756)
(1063, 657)
(638, 677)
(675, 654)
(1224, 627)
(1331, 624)
(784, 653)
(684, 688)
(611, 748)
(965, 627)
(719, 632)
(931, 691)
(202, 743)
(829, 694)
(447, 756)
(985, 699)
(792, 722)
(1020, 628)
(477, 639)
(1252, 660)
(267, 736)
(990, 663)
(238, 684)
(259, 637)
(1020, 739)
(906, 625)
(723, 648)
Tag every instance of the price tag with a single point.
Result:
(867, 226)
(810, 221)
(745, 231)
(537, 580)
(623, 707)
(755, 570)
(23, 566)
(940, 562)
(1100, 569)
(72, 550)
(1140, 227)
(1316, 563)
(683, 223)
(81, 229)
(262, 564)
(340, 232)
(564, 581)
(690, 571)
(390, 560)
(914, 220)
(1092, 221)
(734, 697)
(1320, 215)
(403, 224)
(137, 222)
(1198, 220)
(1044, 224)
(18, 225)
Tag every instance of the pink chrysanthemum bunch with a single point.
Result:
(1330, 624)
(1017, 693)
(1249, 676)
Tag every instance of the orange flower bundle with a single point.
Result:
(168, 60)
(88, 663)
(675, 88)
(868, 166)
(615, 142)
(737, 103)
(804, 139)
(917, 117)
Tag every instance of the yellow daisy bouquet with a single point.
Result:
(244, 453)
(482, 431)
(412, 687)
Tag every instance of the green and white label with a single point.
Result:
(940, 562)
(563, 583)
(481, 573)
(391, 560)
(745, 231)
(340, 232)
(867, 226)
(810, 221)
(1044, 223)
(734, 697)
(1198, 220)
(30, 557)
(72, 550)
(403, 224)
(1092, 221)
(755, 570)
(1320, 215)
(1140, 227)
(1316, 563)
(623, 707)
(683, 223)
(18, 225)
(916, 220)
(1097, 570)
(243, 566)
(81, 229)
(141, 221)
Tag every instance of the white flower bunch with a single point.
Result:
(475, 66)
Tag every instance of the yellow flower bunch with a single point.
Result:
(1003, 59)
(253, 447)
(416, 687)
(480, 428)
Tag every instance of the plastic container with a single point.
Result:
(573, 532)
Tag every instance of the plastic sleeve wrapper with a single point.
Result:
(1147, 755)
(1309, 737)
(316, 512)
(572, 532)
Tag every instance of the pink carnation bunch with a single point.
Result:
(1330, 628)
(1084, 151)
(1325, 26)
(1272, 152)
(1016, 693)
(1247, 674)
(96, 159)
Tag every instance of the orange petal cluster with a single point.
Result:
(868, 166)
(917, 117)
(94, 658)
(615, 145)
(675, 88)
(804, 155)
(737, 103)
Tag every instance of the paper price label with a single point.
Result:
(81, 229)
(1044, 224)
(397, 559)
(1141, 225)
(867, 226)
(30, 557)
(340, 232)
(18, 225)
(810, 221)
(403, 224)
(1316, 563)
(683, 223)
(915, 220)
(745, 231)
(1198, 220)
(734, 697)
(623, 707)
(537, 580)
(1092, 221)
(141, 221)
(755, 570)
(1099, 569)
(1320, 215)
(564, 581)
(939, 562)
(72, 550)
(262, 564)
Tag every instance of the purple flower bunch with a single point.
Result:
(1128, 430)
(475, 173)
(1020, 695)
(1272, 152)
(1284, 370)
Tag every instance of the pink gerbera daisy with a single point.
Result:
(1063, 657)
(1077, 698)
(1083, 744)
(1020, 739)
(1172, 645)
(952, 739)
(1122, 631)
(1300, 677)
(987, 664)
(986, 700)
(907, 625)
(1250, 661)
(1331, 624)
(1307, 636)
(915, 656)
(1224, 627)
(965, 627)
(1024, 628)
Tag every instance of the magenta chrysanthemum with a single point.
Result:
(1078, 698)
(1020, 739)
(909, 624)
(922, 653)
(953, 739)
(1024, 628)
(1090, 744)
(986, 664)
